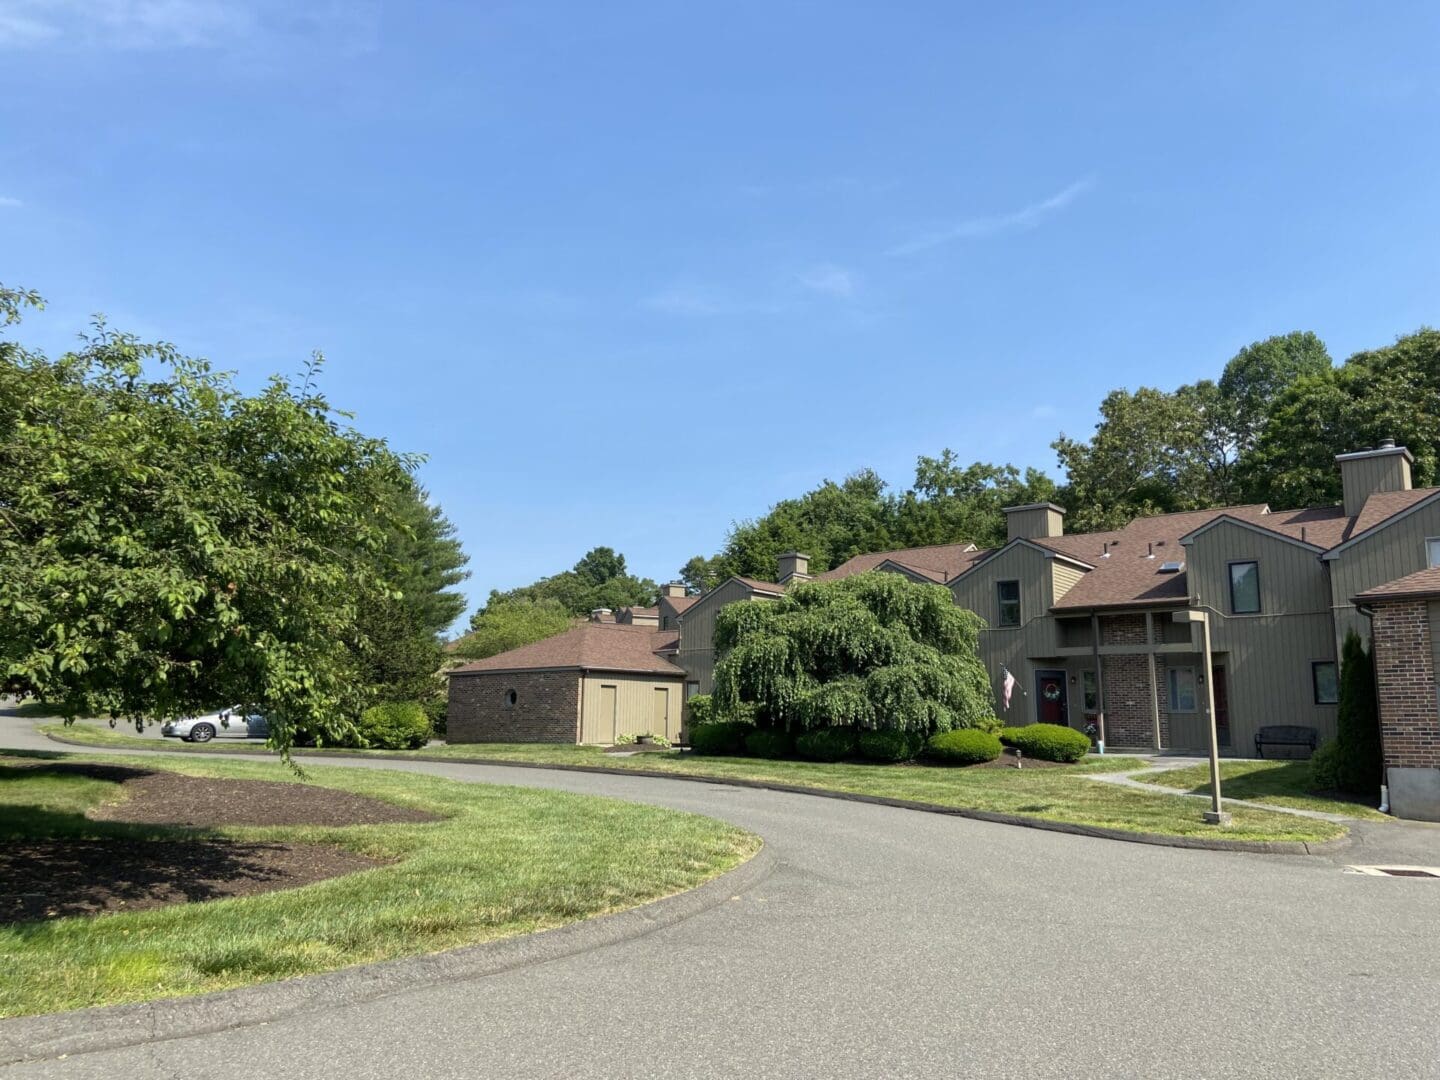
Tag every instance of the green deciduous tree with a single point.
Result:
(502, 625)
(1388, 392)
(952, 503)
(170, 544)
(873, 651)
(599, 580)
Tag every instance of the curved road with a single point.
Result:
(890, 943)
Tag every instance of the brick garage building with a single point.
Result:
(591, 684)
(1405, 635)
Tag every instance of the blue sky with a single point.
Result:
(629, 272)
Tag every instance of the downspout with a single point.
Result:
(1099, 678)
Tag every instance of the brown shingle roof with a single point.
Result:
(763, 586)
(1383, 505)
(679, 603)
(1419, 585)
(587, 647)
(939, 562)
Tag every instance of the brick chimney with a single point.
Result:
(1365, 472)
(1034, 521)
(673, 589)
(793, 567)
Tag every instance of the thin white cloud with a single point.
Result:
(1028, 217)
(8, 201)
(693, 300)
(184, 24)
(1044, 412)
(829, 279)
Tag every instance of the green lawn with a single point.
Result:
(505, 861)
(1049, 794)
(1281, 783)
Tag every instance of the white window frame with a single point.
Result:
(1172, 688)
(1432, 548)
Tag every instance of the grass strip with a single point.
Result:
(504, 861)
(1055, 794)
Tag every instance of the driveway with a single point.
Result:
(891, 943)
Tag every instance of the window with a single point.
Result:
(1244, 588)
(510, 698)
(1181, 684)
(691, 689)
(1325, 677)
(1009, 596)
(1432, 552)
(1090, 691)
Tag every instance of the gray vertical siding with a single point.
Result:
(697, 632)
(1383, 555)
(1022, 649)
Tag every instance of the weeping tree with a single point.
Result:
(873, 651)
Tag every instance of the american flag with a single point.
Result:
(1009, 685)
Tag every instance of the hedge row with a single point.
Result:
(964, 746)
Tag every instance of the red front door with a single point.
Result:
(1222, 706)
(1050, 698)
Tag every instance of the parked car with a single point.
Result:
(232, 723)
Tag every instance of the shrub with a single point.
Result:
(1357, 722)
(886, 745)
(826, 744)
(395, 725)
(701, 710)
(1325, 766)
(721, 737)
(963, 747)
(769, 743)
(1048, 742)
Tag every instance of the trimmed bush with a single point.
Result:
(395, 725)
(1048, 742)
(768, 743)
(721, 737)
(963, 747)
(1326, 766)
(701, 710)
(886, 745)
(826, 744)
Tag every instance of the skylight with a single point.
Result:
(1173, 567)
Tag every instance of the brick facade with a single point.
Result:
(1122, 630)
(1128, 720)
(546, 709)
(1405, 684)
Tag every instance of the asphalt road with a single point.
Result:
(891, 943)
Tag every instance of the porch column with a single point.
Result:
(1154, 683)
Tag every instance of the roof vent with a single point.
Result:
(1172, 567)
(1150, 553)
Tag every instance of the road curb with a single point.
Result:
(111, 1027)
(1200, 843)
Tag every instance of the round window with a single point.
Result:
(511, 697)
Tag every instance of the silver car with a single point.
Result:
(233, 723)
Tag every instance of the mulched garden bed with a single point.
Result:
(166, 798)
(49, 879)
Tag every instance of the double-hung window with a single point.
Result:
(1244, 588)
(1181, 687)
(1007, 594)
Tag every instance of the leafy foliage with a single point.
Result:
(598, 580)
(963, 747)
(1048, 742)
(1352, 761)
(768, 743)
(826, 744)
(394, 725)
(873, 651)
(170, 542)
(503, 625)
(888, 746)
(700, 709)
(720, 737)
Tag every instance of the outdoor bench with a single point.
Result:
(1285, 735)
